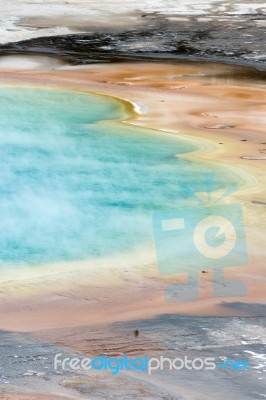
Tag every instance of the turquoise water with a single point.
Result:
(75, 184)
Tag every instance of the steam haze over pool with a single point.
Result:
(76, 184)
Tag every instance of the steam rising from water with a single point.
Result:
(73, 186)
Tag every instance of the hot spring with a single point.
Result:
(77, 183)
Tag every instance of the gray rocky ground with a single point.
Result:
(27, 363)
(231, 31)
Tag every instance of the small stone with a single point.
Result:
(40, 374)
(253, 157)
(28, 374)
(136, 333)
(220, 127)
(206, 114)
(179, 87)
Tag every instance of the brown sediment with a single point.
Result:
(88, 293)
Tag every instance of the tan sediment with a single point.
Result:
(204, 103)
(13, 396)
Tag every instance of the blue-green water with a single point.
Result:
(75, 184)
